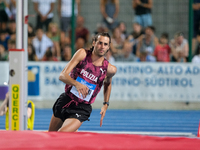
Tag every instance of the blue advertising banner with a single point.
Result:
(156, 81)
(132, 82)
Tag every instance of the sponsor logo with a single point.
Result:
(89, 75)
(15, 107)
(78, 115)
(102, 71)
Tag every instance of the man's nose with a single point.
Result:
(102, 45)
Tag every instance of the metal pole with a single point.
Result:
(73, 26)
(190, 29)
(17, 78)
(19, 22)
(25, 65)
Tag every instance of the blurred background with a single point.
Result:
(168, 16)
(155, 47)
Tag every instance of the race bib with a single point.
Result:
(89, 85)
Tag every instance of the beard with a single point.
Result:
(100, 54)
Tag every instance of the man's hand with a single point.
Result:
(82, 90)
(102, 113)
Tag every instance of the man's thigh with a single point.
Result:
(70, 125)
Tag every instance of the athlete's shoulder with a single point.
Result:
(111, 71)
(80, 54)
(82, 51)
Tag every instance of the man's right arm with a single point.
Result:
(65, 77)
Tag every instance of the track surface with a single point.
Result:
(144, 121)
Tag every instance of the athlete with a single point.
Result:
(84, 75)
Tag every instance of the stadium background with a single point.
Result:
(168, 16)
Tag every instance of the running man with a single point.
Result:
(84, 75)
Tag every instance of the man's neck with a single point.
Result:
(96, 60)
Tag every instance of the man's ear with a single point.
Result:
(108, 49)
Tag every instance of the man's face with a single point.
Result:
(101, 46)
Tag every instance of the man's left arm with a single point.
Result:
(107, 90)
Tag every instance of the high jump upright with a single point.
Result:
(18, 71)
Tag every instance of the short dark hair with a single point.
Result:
(106, 34)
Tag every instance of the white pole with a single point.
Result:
(18, 74)
(19, 22)
(25, 46)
